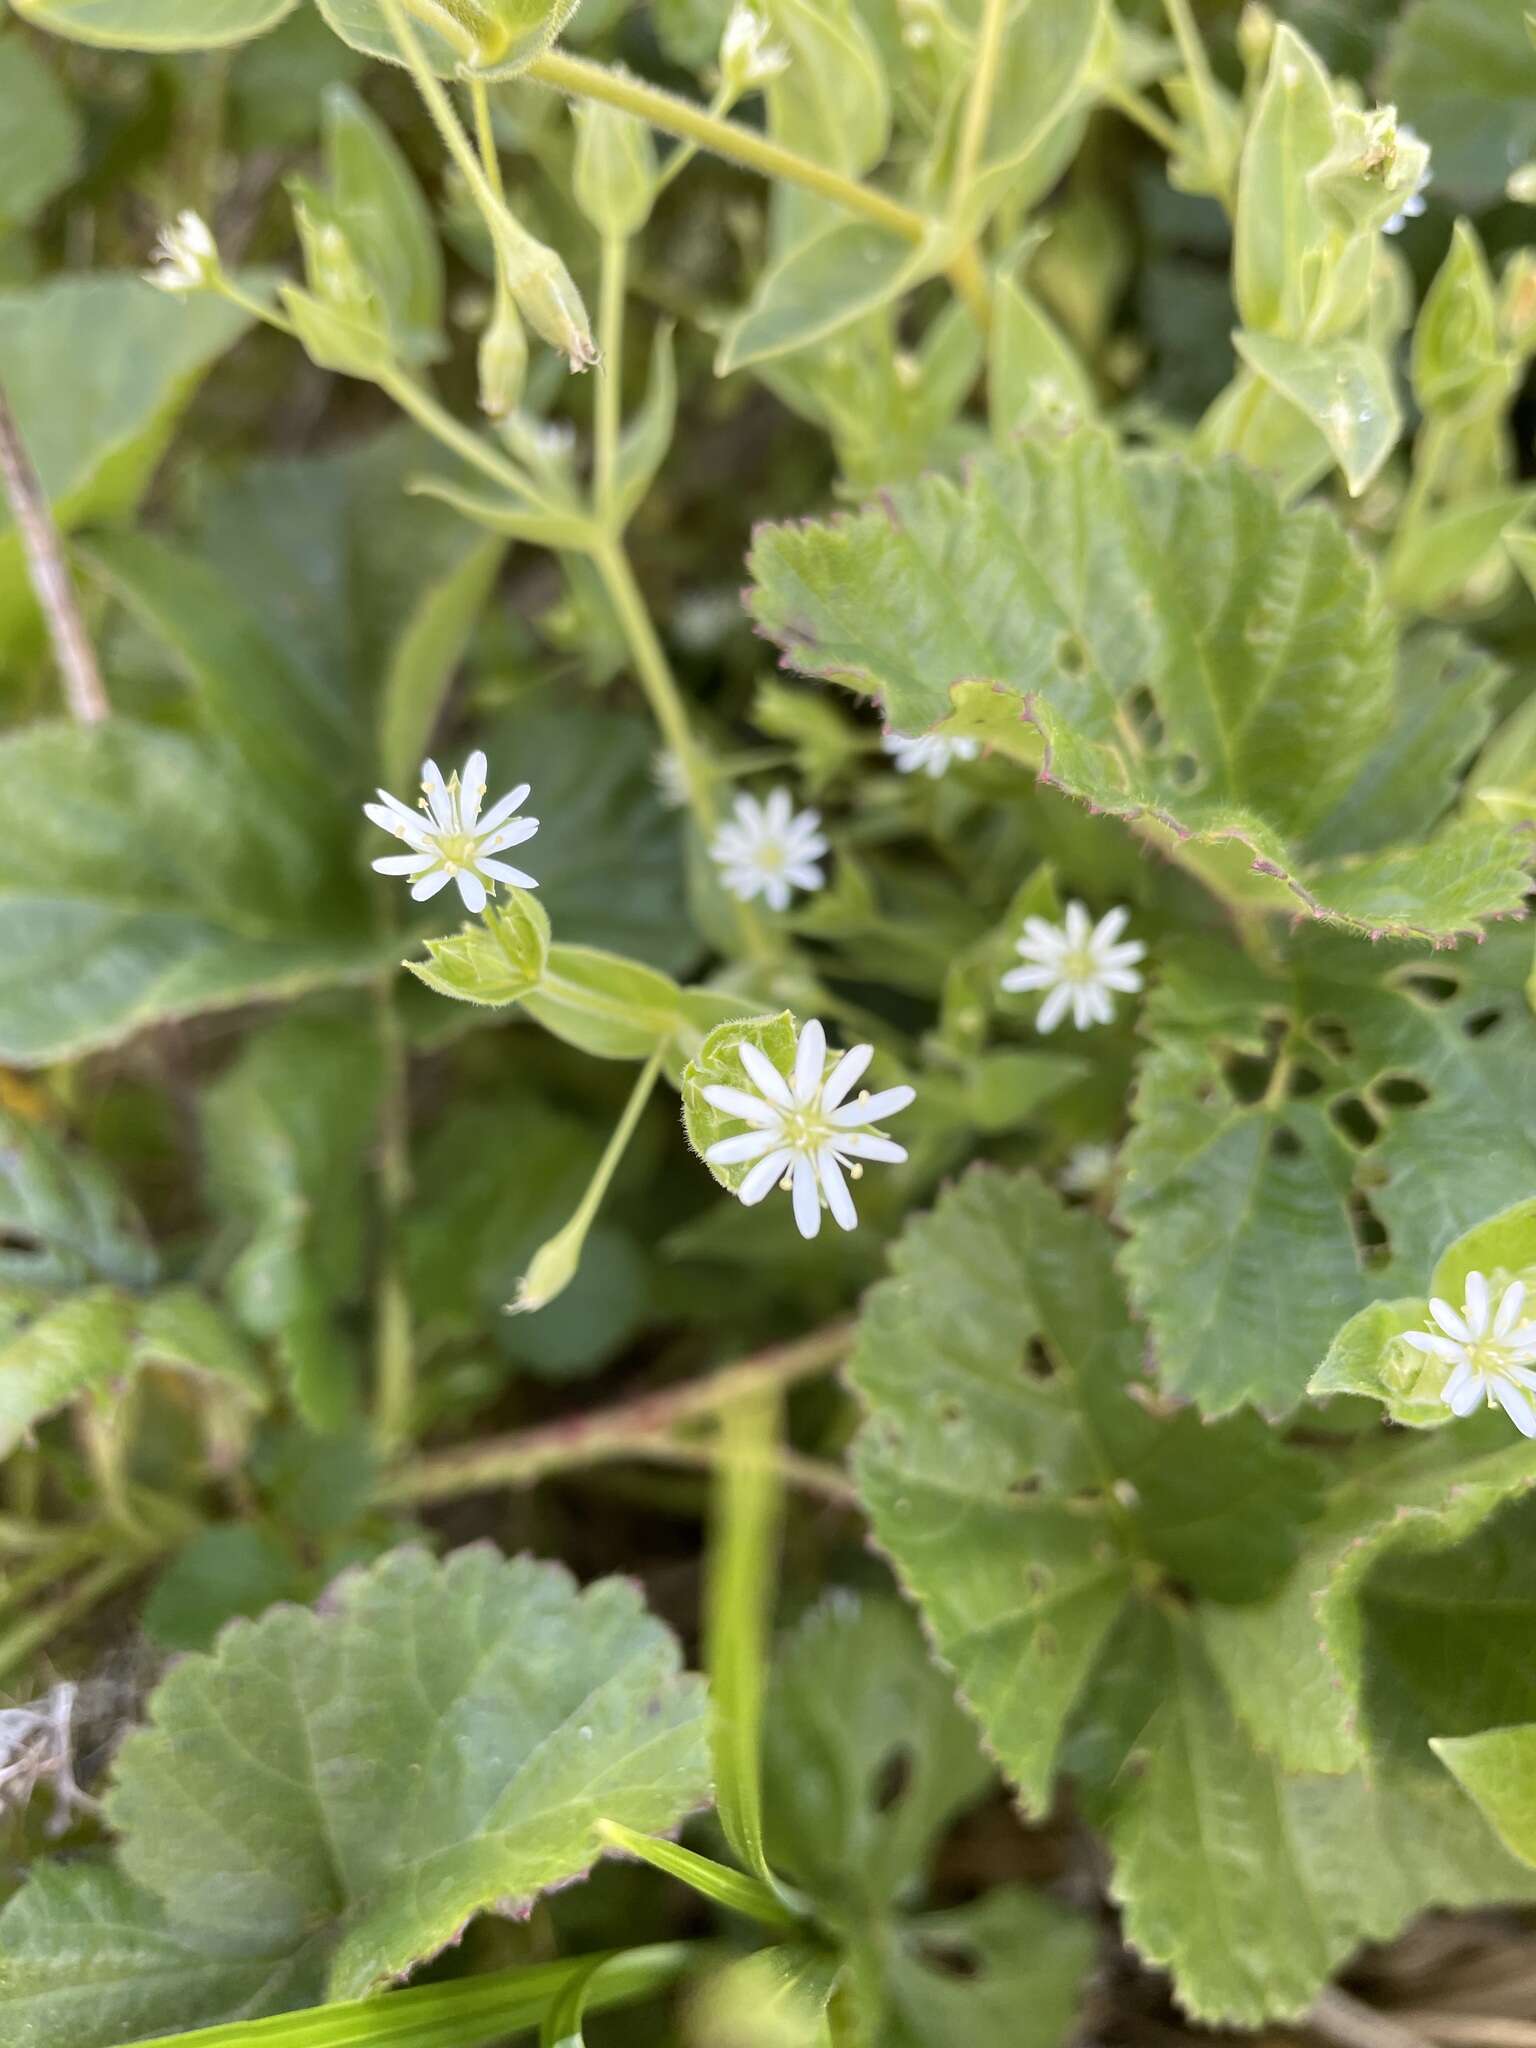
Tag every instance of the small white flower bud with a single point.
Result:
(186, 257)
(747, 58)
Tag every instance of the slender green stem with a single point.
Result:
(1197, 68)
(485, 135)
(674, 116)
(1138, 108)
(415, 399)
(435, 98)
(978, 102)
(685, 152)
(269, 315)
(610, 342)
(627, 1430)
(586, 1209)
(394, 1359)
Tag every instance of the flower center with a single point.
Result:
(1079, 965)
(770, 856)
(806, 1129)
(457, 849)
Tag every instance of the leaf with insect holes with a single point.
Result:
(1017, 1480)
(1369, 1104)
(1166, 641)
(1071, 1546)
(350, 1787)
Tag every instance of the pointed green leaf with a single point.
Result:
(40, 132)
(1170, 642)
(1017, 1483)
(1346, 1118)
(1457, 359)
(156, 24)
(484, 38)
(1033, 372)
(495, 960)
(1345, 388)
(387, 221)
(733, 1889)
(845, 271)
(741, 1575)
(1497, 1768)
(1279, 227)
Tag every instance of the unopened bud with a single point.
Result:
(503, 360)
(552, 1268)
(1255, 38)
(1521, 185)
(548, 300)
(614, 178)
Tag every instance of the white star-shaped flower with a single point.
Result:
(1088, 1170)
(448, 838)
(185, 256)
(747, 57)
(769, 849)
(1415, 203)
(1489, 1350)
(1079, 964)
(804, 1130)
(928, 753)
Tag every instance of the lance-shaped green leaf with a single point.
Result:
(838, 275)
(64, 1219)
(40, 132)
(1279, 227)
(156, 24)
(140, 879)
(1345, 388)
(353, 1786)
(97, 371)
(387, 221)
(838, 111)
(1019, 1486)
(1339, 1103)
(1164, 640)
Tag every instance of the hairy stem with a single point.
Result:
(637, 1428)
(978, 103)
(394, 1355)
(610, 342)
(48, 573)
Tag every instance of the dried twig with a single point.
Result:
(48, 571)
(1348, 2023)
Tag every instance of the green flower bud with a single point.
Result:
(547, 297)
(615, 174)
(503, 360)
(493, 35)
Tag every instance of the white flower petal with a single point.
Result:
(842, 1077)
(504, 806)
(1436, 1346)
(806, 1197)
(738, 1150)
(1048, 938)
(1054, 1008)
(429, 884)
(750, 1108)
(1449, 1321)
(436, 792)
(1469, 1393)
(776, 892)
(1077, 925)
(1510, 1305)
(1514, 1404)
(810, 1063)
(835, 1188)
(472, 889)
(501, 871)
(473, 788)
(1456, 1385)
(508, 835)
(872, 1109)
(403, 863)
(865, 1145)
(764, 1075)
(1109, 927)
(763, 1178)
(1124, 980)
(1020, 980)
(1476, 1308)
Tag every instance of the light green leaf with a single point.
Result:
(1458, 364)
(1005, 1971)
(774, 1998)
(480, 38)
(717, 1064)
(1339, 1103)
(720, 1883)
(833, 103)
(387, 222)
(822, 285)
(1020, 1488)
(64, 1220)
(156, 24)
(425, 656)
(1033, 372)
(1464, 73)
(441, 1742)
(1497, 1768)
(97, 370)
(1346, 390)
(866, 1758)
(40, 132)
(647, 435)
(140, 880)
(1208, 699)
(1279, 229)
(1453, 559)
(741, 1576)
(613, 176)
(288, 1131)
(517, 517)
(603, 1004)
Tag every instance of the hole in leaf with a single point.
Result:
(1038, 1362)
(1143, 717)
(1434, 989)
(1333, 1035)
(1400, 1091)
(1284, 1143)
(1481, 1022)
(949, 1959)
(1248, 1075)
(1352, 1116)
(1071, 655)
(1373, 1246)
(892, 1780)
(1304, 1081)
(1186, 772)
